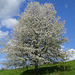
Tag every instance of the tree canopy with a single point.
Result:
(37, 37)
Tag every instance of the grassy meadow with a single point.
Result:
(55, 69)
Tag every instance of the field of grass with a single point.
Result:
(56, 69)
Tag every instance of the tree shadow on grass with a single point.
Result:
(46, 70)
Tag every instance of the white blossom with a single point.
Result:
(38, 35)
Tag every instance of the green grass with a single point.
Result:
(56, 69)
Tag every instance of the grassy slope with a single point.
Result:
(44, 70)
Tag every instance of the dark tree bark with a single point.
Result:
(36, 69)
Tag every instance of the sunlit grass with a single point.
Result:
(55, 69)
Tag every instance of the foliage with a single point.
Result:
(37, 37)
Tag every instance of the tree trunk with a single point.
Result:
(36, 69)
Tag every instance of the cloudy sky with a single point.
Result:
(9, 9)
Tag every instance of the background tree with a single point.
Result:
(37, 37)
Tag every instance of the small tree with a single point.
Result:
(37, 37)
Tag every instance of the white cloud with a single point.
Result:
(9, 23)
(72, 54)
(9, 8)
(3, 34)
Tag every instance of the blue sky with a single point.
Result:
(10, 8)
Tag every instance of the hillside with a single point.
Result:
(56, 69)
